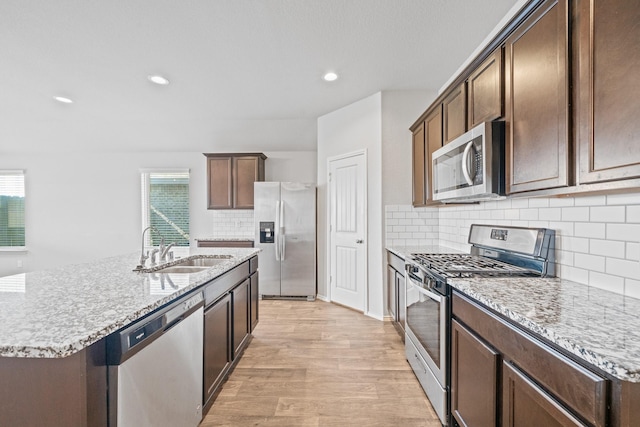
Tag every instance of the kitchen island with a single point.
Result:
(558, 346)
(54, 324)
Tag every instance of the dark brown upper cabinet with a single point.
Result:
(607, 89)
(537, 101)
(454, 113)
(230, 179)
(419, 167)
(485, 88)
(427, 138)
(433, 141)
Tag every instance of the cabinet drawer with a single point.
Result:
(396, 262)
(578, 388)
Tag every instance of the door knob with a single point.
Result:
(359, 241)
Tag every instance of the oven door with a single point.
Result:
(426, 325)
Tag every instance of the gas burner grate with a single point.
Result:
(465, 265)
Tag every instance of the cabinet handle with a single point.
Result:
(359, 241)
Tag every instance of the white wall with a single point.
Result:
(352, 128)
(380, 125)
(84, 206)
(597, 237)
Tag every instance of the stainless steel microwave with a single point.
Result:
(471, 167)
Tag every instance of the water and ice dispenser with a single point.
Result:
(267, 232)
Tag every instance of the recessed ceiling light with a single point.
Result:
(63, 99)
(330, 77)
(159, 80)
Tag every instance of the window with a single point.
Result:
(12, 209)
(165, 205)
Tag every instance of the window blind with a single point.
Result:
(165, 205)
(12, 196)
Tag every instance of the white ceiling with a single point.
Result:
(245, 74)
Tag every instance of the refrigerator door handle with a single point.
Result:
(283, 236)
(276, 231)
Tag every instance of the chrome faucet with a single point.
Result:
(143, 256)
(164, 251)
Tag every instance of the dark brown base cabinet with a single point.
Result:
(228, 304)
(217, 345)
(502, 376)
(254, 298)
(396, 292)
(474, 373)
(240, 302)
(526, 404)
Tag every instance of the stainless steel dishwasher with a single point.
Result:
(155, 368)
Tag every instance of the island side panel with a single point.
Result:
(68, 391)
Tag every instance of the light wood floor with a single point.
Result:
(319, 364)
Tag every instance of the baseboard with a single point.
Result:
(322, 298)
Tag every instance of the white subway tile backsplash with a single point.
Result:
(633, 251)
(606, 281)
(607, 248)
(632, 288)
(589, 262)
(607, 214)
(623, 232)
(539, 203)
(575, 214)
(625, 268)
(520, 203)
(561, 202)
(590, 229)
(597, 237)
(550, 214)
(633, 214)
(623, 199)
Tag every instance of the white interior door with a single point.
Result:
(348, 229)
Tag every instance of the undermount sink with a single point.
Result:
(181, 269)
(204, 262)
(194, 264)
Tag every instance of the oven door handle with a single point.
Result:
(430, 294)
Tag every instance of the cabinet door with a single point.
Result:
(474, 379)
(255, 298)
(217, 340)
(246, 171)
(486, 91)
(608, 87)
(419, 166)
(537, 103)
(392, 301)
(401, 293)
(220, 183)
(524, 404)
(454, 117)
(433, 141)
(240, 313)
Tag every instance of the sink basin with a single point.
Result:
(181, 269)
(204, 262)
(195, 264)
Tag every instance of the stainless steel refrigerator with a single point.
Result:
(285, 230)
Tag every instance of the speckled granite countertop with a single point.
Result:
(59, 312)
(600, 327)
(404, 251)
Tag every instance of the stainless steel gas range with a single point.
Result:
(496, 251)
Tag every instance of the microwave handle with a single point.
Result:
(465, 163)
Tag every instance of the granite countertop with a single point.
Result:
(56, 313)
(404, 251)
(598, 326)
